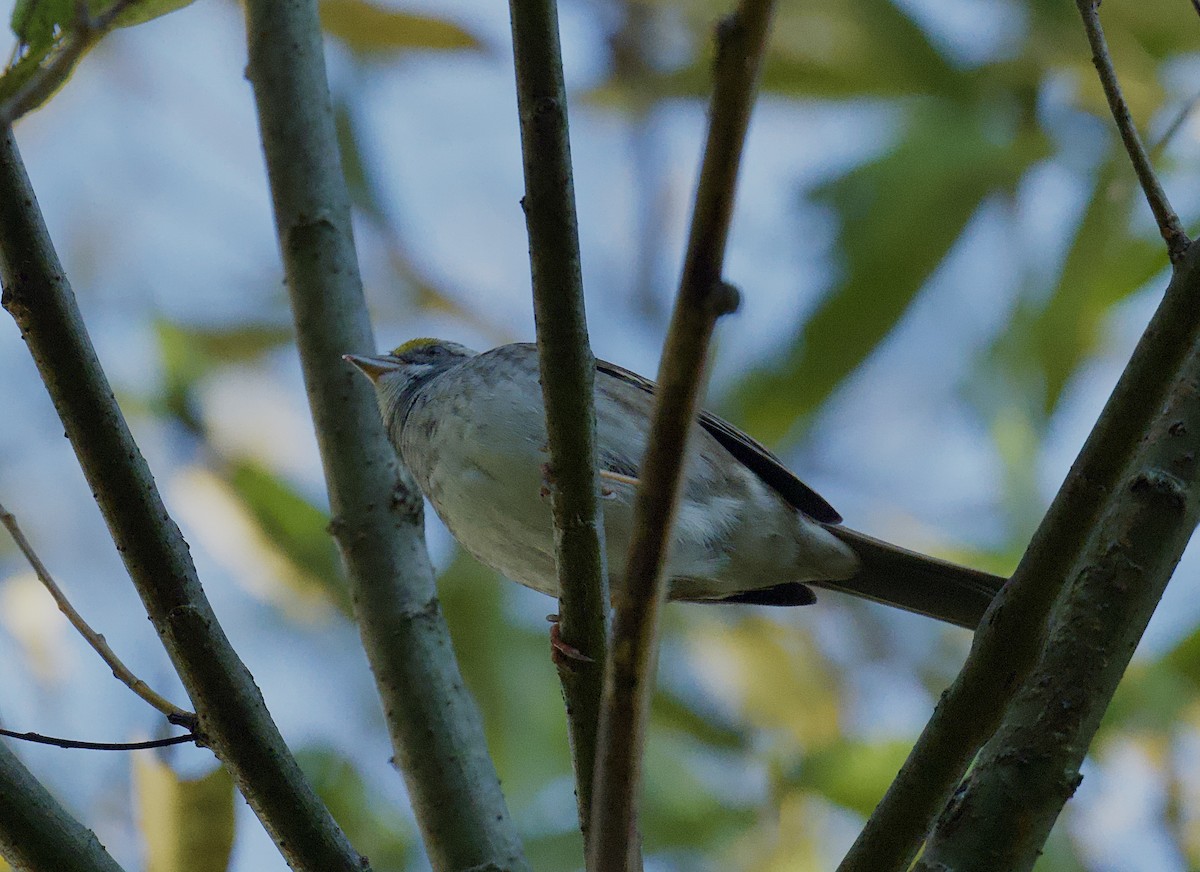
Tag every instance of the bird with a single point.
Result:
(470, 428)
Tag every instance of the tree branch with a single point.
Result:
(435, 728)
(1009, 641)
(568, 373)
(1008, 644)
(174, 713)
(37, 833)
(1164, 215)
(1029, 769)
(39, 739)
(231, 709)
(703, 297)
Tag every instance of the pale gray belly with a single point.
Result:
(484, 475)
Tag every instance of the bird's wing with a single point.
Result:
(752, 453)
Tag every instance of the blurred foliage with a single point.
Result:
(751, 756)
(46, 29)
(190, 353)
(295, 528)
(370, 28)
(187, 823)
(899, 215)
(755, 758)
(373, 825)
(850, 773)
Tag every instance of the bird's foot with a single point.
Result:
(616, 478)
(560, 652)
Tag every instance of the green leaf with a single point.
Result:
(1059, 854)
(148, 10)
(1154, 696)
(850, 772)
(900, 216)
(363, 190)
(1048, 339)
(41, 26)
(35, 23)
(38, 26)
(212, 346)
(370, 29)
(508, 670)
(682, 810)
(374, 826)
(1184, 660)
(786, 686)
(1104, 266)
(832, 49)
(190, 353)
(671, 712)
(19, 73)
(293, 526)
(187, 823)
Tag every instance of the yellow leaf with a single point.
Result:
(366, 27)
(187, 823)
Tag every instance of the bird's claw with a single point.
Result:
(560, 652)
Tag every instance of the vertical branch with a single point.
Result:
(231, 709)
(435, 728)
(37, 833)
(703, 297)
(568, 373)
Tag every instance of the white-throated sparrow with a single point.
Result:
(471, 429)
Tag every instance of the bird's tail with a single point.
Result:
(916, 582)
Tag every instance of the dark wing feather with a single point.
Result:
(790, 593)
(753, 454)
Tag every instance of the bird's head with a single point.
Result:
(398, 374)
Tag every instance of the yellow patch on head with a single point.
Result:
(413, 343)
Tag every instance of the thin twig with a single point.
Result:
(1185, 112)
(1029, 769)
(39, 739)
(49, 78)
(232, 712)
(1009, 640)
(434, 725)
(568, 372)
(1168, 222)
(703, 297)
(119, 670)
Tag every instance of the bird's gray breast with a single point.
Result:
(478, 452)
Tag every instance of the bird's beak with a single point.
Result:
(372, 367)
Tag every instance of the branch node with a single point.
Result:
(1158, 482)
(723, 299)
